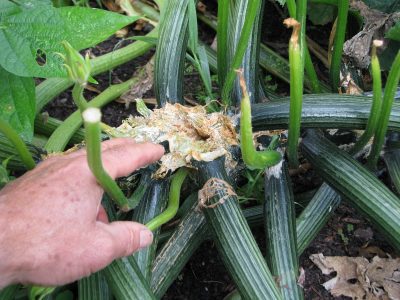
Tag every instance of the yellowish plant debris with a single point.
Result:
(212, 188)
(190, 132)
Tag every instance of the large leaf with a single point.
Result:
(17, 102)
(40, 29)
(387, 6)
(394, 32)
(8, 8)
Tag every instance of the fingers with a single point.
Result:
(111, 241)
(118, 142)
(127, 237)
(125, 157)
(121, 156)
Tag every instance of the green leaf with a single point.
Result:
(321, 14)
(29, 4)
(8, 8)
(39, 30)
(387, 6)
(394, 32)
(17, 105)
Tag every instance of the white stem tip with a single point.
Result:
(91, 115)
(377, 43)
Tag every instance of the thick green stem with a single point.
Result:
(147, 10)
(8, 293)
(280, 229)
(222, 34)
(91, 118)
(291, 5)
(251, 14)
(18, 143)
(334, 72)
(296, 92)
(173, 202)
(376, 103)
(252, 158)
(151, 205)
(94, 287)
(301, 17)
(388, 97)
(170, 53)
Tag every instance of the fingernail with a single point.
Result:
(146, 238)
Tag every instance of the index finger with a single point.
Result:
(125, 157)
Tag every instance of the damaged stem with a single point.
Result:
(296, 91)
(376, 102)
(252, 158)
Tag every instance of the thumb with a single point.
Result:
(115, 240)
(126, 237)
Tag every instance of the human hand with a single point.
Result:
(53, 227)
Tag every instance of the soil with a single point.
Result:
(205, 276)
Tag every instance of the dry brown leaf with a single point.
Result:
(302, 277)
(143, 82)
(92, 88)
(358, 278)
(140, 24)
(112, 6)
(364, 233)
(122, 32)
(376, 23)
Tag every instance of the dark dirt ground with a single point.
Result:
(205, 277)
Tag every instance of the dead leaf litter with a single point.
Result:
(359, 278)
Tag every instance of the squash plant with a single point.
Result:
(204, 150)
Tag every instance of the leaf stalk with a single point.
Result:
(296, 91)
(252, 158)
(173, 202)
(91, 118)
(387, 103)
(15, 139)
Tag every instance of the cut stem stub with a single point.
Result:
(296, 92)
(252, 158)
